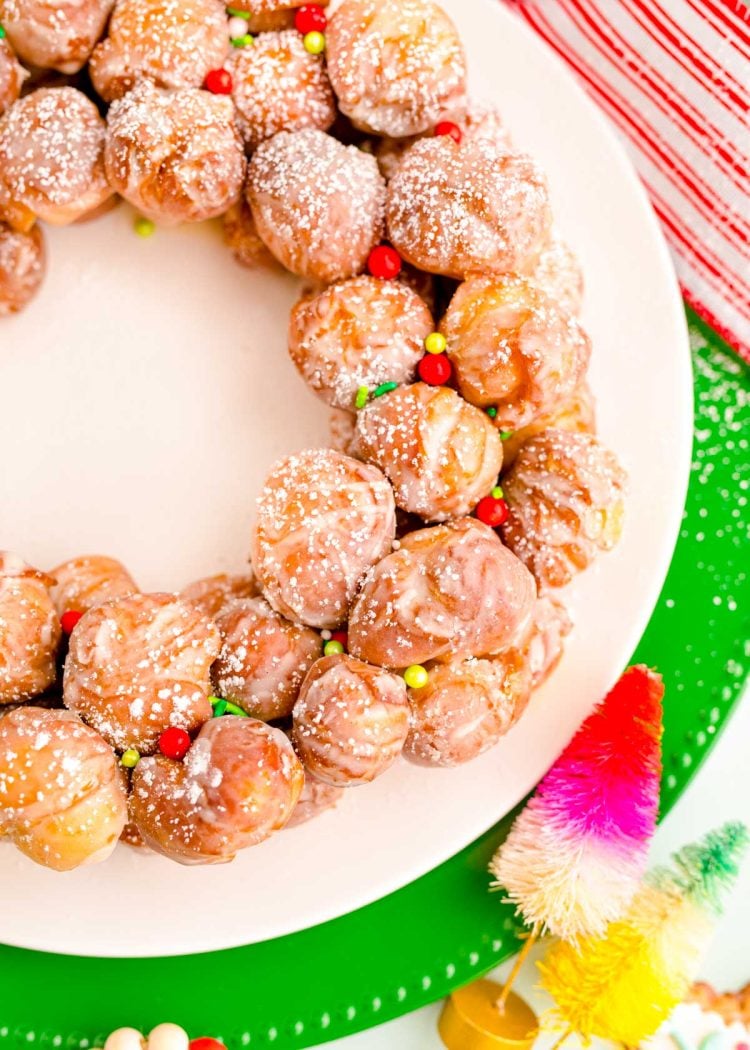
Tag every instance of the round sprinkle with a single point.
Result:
(220, 708)
(493, 511)
(174, 743)
(384, 388)
(361, 399)
(144, 227)
(236, 27)
(497, 492)
(219, 82)
(130, 758)
(341, 636)
(416, 676)
(447, 127)
(69, 619)
(314, 42)
(435, 369)
(435, 343)
(243, 41)
(206, 1042)
(491, 411)
(326, 635)
(384, 262)
(310, 18)
(332, 648)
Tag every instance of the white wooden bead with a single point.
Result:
(168, 1037)
(125, 1039)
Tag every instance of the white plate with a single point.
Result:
(145, 394)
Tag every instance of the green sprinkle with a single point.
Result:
(362, 395)
(233, 709)
(491, 411)
(497, 492)
(3, 34)
(243, 41)
(332, 648)
(144, 227)
(384, 388)
(505, 434)
(130, 758)
(235, 13)
(220, 708)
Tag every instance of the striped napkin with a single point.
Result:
(674, 77)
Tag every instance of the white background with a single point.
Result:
(719, 792)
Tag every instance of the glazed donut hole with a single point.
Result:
(513, 349)
(480, 121)
(439, 452)
(470, 207)
(90, 580)
(558, 274)
(238, 783)
(323, 519)
(175, 154)
(342, 428)
(12, 76)
(395, 65)
(51, 159)
(316, 798)
(350, 720)
(30, 632)
(51, 35)
(263, 658)
(22, 264)
(361, 332)
(279, 86)
(62, 800)
(465, 708)
(317, 204)
(565, 492)
(576, 413)
(138, 665)
(173, 43)
(243, 240)
(449, 591)
(212, 594)
(544, 640)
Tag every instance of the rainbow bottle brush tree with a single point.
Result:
(574, 864)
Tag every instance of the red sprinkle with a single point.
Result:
(174, 743)
(219, 82)
(69, 619)
(384, 262)
(206, 1042)
(310, 18)
(447, 127)
(492, 511)
(341, 636)
(435, 369)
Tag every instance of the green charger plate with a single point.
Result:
(444, 929)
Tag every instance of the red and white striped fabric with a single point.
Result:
(674, 76)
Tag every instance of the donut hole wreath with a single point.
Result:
(394, 597)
